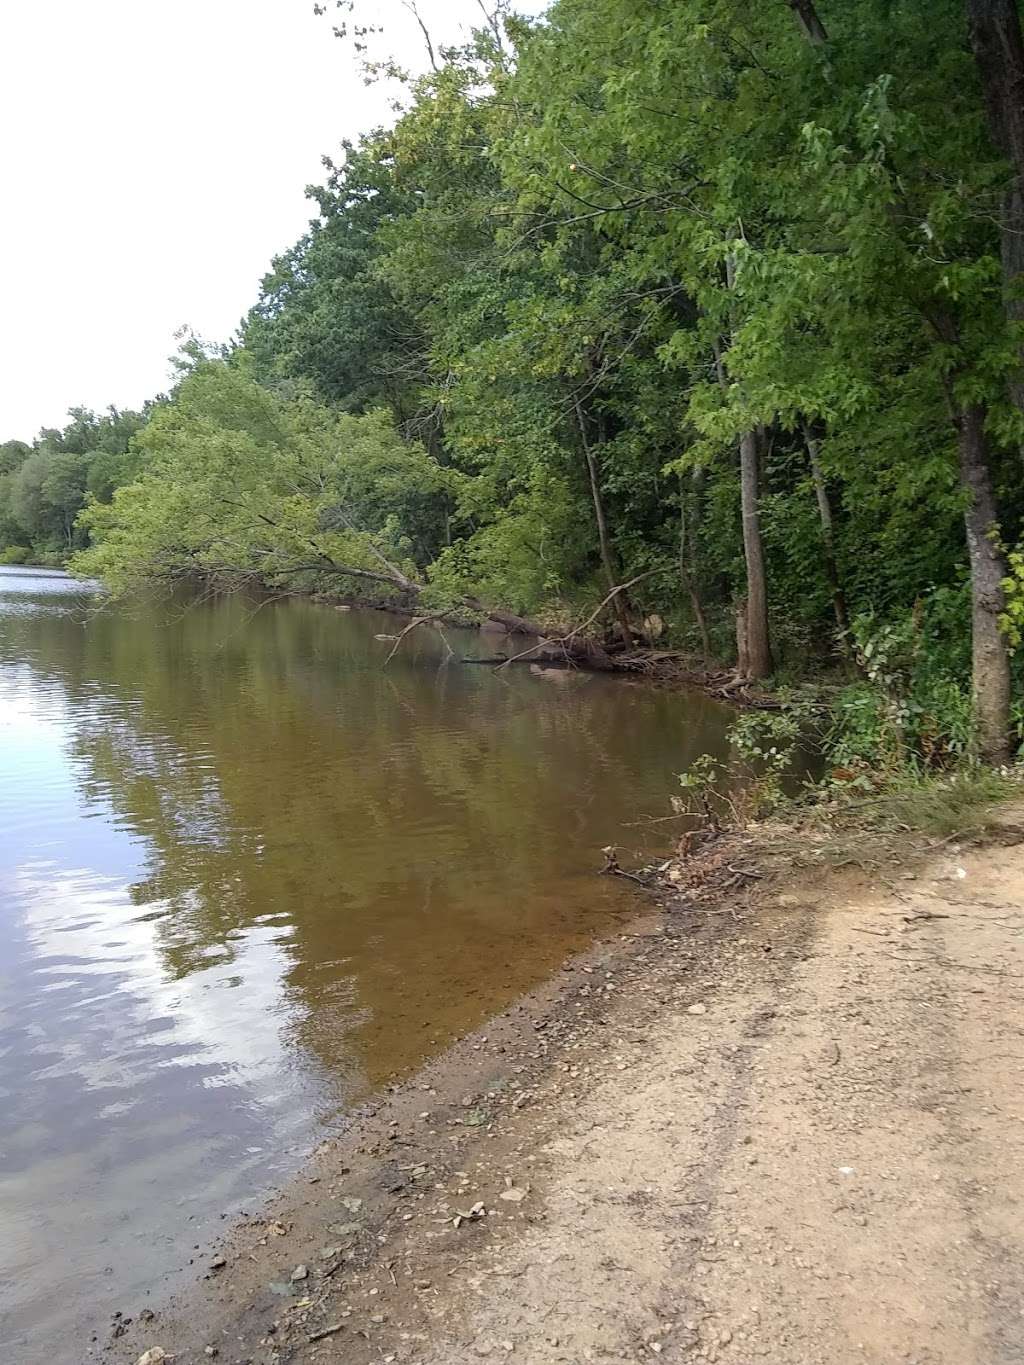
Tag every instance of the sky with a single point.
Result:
(153, 158)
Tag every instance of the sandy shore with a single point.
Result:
(782, 1122)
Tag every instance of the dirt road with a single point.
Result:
(787, 1128)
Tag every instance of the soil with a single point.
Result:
(780, 1120)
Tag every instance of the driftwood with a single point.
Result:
(613, 869)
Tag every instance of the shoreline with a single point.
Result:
(537, 1136)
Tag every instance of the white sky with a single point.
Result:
(153, 159)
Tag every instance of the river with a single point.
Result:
(246, 877)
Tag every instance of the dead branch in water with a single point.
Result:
(612, 868)
(433, 620)
(567, 639)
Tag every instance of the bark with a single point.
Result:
(759, 658)
(742, 650)
(810, 23)
(990, 657)
(603, 538)
(995, 32)
(688, 567)
(827, 531)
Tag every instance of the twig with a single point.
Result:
(416, 621)
(325, 1332)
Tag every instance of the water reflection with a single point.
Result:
(246, 876)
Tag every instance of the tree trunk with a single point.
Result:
(827, 531)
(995, 32)
(810, 23)
(688, 568)
(742, 640)
(759, 658)
(990, 656)
(603, 538)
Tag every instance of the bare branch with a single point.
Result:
(578, 630)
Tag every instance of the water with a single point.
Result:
(246, 876)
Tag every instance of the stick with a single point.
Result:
(325, 1332)
(416, 621)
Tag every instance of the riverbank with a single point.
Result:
(777, 1119)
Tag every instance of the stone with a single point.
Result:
(299, 1273)
(156, 1355)
(697, 1009)
(344, 1229)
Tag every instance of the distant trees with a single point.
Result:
(44, 486)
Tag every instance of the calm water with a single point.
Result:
(245, 877)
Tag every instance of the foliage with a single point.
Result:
(235, 480)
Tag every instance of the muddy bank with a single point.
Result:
(786, 1126)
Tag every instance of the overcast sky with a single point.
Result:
(152, 160)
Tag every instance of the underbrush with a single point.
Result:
(888, 747)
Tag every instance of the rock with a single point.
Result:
(282, 1290)
(299, 1273)
(218, 1263)
(697, 1009)
(156, 1355)
(421, 1284)
(344, 1229)
(352, 1204)
(147, 1315)
(329, 1253)
(211, 1351)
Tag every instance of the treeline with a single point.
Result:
(722, 298)
(45, 485)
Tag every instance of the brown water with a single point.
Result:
(245, 877)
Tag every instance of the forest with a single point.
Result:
(717, 305)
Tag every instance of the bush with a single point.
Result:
(15, 554)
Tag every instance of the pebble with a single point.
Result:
(218, 1263)
(156, 1355)
(697, 1009)
(299, 1273)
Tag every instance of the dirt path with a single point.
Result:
(790, 1132)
